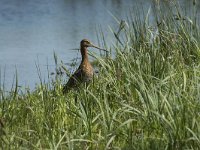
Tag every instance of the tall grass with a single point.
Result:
(147, 97)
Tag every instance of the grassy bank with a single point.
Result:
(147, 97)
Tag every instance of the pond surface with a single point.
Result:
(32, 30)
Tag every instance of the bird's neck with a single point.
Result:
(84, 54)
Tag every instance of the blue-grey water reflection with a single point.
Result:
(31, 30)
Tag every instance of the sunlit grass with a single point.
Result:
(147, 97)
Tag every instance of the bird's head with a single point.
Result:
(86, 43)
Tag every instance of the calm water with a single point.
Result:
(31, 30)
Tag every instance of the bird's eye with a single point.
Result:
(87, 42)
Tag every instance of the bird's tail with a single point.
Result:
(65, 89)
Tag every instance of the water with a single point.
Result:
(31, 30)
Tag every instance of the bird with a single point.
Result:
(84, 73)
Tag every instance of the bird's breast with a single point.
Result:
(87, 72)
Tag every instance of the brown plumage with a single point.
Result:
(84, 73)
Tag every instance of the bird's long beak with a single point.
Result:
(91, 45)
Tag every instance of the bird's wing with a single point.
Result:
(73, 81)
